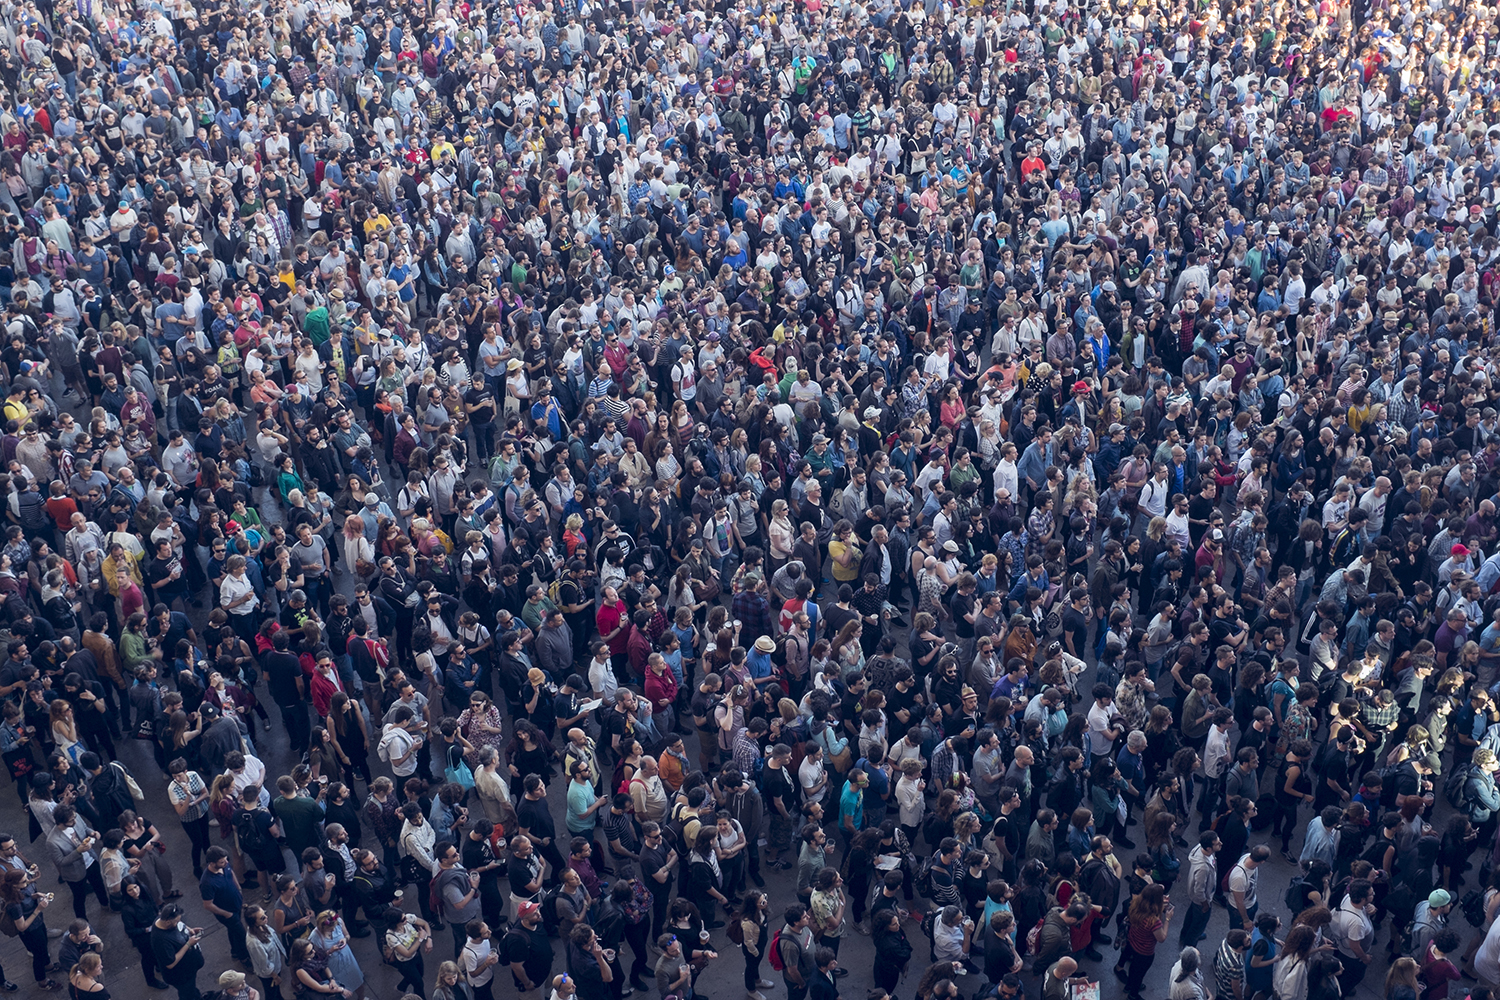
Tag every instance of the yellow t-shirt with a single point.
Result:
(843, 574)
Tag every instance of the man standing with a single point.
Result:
(528, 951)
(222, 897)
(796, 944)
(457, 891)
(175, 948)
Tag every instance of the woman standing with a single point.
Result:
(892, 950)
(753, 921)
(83, 978)
(189, 796)
(1146, 927)
(331, 940)
(313, 980)
(143, 843)
(705, 878)
(1291, 979)
(26, 908)
(138, 910)
(407, 937)
(267, 953)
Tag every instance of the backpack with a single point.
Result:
(554, 592)
(8, 923)
(1455, 787)
(735, 930)
(1294, 898)
(924, 877)
(252, 839)
(550, 918)
(775, 954)
(1034, 937)
(1472, 906)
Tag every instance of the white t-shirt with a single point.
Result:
(809, 773)
(476, 953)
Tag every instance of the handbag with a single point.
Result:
(706, 590)
(459, 772)
(135, 792)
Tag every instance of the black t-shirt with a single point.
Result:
(534, 816)
(532, 949)
(474, 397)
(520, 872)
(653, 860)
(1076, 624)
(282, 672)
(962, 604)
(776, 782)
(164, 945)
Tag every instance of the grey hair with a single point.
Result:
(1188, 963)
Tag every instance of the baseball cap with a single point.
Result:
(527, 909)
(1459, 550)
(1439, 897)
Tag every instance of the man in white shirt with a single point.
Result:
(1215, 763)
(813, 775)
(1104, 721)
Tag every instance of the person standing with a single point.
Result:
(221, 895)
(178, 955)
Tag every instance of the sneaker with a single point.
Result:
(1292, 858)
(48, 984)
(8, 986)
(158, 985)
(755, 995)
(862, 929)
(760, 883)
(765, 984)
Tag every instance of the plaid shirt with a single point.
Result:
(753, 611)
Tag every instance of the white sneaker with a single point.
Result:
(755, 995)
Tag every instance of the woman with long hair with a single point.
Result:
(1291, 977)
(311, 979)
(27, 908)
(331, 939)
(138, 911)
(892, 949)
(1145, 928)
(408, 936)
(753, 918)
(84, 977)
(266, 947)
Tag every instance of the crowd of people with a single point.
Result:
(699, 477)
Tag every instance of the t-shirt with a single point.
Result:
(475, 955)
(534, 816)
(580, 797)
(532, 949)
(1076, 624)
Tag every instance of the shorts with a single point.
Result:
(780, 837)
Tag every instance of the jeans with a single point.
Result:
(793, 991)
(298, 729)
(1234, 916)
(752, 970)
(1194, 923)
(235, 928)
(1136, 966)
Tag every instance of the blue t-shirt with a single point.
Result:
(221, 890)
(399, 273)
(852, 803)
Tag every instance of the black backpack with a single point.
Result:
(551, 920)
(253, 840)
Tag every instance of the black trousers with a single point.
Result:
(93, 880)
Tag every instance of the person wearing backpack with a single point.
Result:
(791, 952)
(258, 833)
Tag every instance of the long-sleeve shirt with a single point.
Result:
(417, 842)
